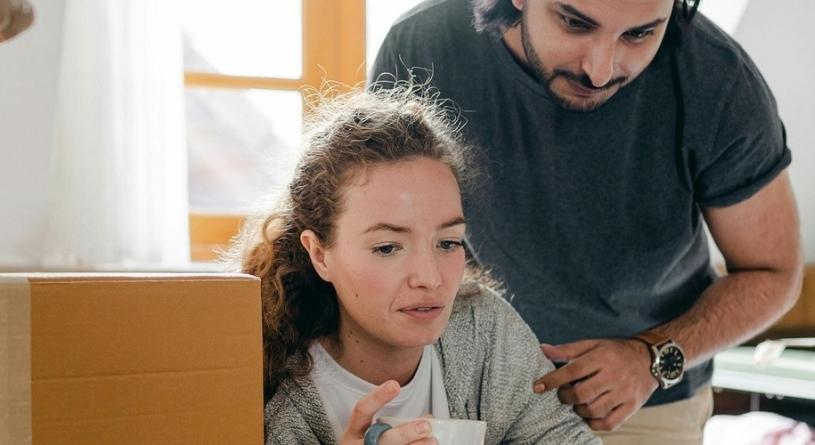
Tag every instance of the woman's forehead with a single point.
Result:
(421, 192)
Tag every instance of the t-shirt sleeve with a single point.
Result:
(750, 145)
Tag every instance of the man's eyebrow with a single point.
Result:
(651, 24)
(575, 12)
(399, 229)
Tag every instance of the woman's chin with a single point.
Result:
(412, 340)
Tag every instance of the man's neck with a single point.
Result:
(513, 42)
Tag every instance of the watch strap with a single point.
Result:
(651, 338)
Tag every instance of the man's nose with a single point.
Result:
(599, 61)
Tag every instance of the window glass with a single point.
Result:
(243, 146)
(255, 38)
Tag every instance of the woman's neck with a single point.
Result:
(370, 359)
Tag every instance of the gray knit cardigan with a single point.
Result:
(489, 356)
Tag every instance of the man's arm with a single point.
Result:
(760, 241)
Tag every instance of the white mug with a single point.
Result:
(449, 431)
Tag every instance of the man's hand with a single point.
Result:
(606, 380)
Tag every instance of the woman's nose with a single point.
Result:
(424, 271)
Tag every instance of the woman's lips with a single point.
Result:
(423, 313)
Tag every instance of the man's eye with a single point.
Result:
(574, 24)
(639, 34)
(450, 245)
(385, 249)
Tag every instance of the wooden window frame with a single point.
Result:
(333, 50)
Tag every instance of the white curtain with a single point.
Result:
(118, 174)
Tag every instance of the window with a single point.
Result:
(245, 66)
(246, 63)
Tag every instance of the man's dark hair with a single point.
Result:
(500, 15)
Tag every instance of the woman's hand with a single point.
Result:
(411, 433)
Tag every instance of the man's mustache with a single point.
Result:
(585, 81)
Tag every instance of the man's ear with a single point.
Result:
(311, 242)
(518, 4)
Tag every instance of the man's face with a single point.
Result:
(584, 51)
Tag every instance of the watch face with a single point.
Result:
(671, 362)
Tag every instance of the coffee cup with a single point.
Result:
(449, 431)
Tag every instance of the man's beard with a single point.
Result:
(546, 77)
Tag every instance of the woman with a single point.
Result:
(368, 307)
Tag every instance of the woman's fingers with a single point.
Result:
(413, 433)
(363, 414)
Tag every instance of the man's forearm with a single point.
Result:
(732, 310)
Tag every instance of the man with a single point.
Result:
(609, 131)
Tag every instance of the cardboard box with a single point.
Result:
(130, 359)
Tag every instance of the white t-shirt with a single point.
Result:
(340, 390)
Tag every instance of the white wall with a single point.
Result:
(725, 13)
(29, 68)
(781, 40)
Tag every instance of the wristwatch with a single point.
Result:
(667, 358)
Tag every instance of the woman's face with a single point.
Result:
(397, 260)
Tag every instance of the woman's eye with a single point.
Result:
(385, 249)
(574, 24)
(450, 245)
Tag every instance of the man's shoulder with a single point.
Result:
(435, 43)
(431, 25)
(424, 11)
(709, 54)
(431, 13)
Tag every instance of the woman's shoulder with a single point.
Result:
(482, 305)
(284, 423)
(483, 317)
(294, 413)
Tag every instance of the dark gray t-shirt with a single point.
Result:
(592, 219)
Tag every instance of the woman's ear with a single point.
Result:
(519, 4)
(316, 252)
